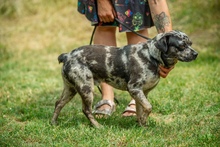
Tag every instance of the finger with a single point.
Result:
(100, 19)
(114, 13)
(112, 18)
(104, 19)
(166, 70)
(109, 18)
(162, 74)
(171, 68)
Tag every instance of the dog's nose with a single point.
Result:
(195, 54)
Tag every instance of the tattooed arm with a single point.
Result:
(162, 21)
(161, 15)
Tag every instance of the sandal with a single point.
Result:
(129, 109)
(106, 111)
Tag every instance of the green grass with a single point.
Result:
(186, 105)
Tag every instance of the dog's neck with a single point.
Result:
(155, 53)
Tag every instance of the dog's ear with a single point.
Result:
(161, 44)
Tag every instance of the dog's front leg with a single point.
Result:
(141, 115)
(143, 106)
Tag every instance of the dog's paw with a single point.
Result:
(53, 123)
(97, 126)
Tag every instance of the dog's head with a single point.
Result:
(175, 45)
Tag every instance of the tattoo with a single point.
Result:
(160, 21)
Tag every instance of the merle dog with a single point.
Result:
(133, 68)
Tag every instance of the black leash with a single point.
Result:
(116, 19)
(93, 32)
(145, 37)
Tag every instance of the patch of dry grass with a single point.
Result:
(46, 27)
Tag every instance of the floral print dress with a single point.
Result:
(134, 13)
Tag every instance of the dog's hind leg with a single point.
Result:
(86, 93)
(67, 94)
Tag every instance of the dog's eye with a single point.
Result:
(182, 46)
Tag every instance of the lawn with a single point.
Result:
(186, 105)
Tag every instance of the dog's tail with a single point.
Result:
(62, 58)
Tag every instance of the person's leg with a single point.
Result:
(106, 36)
(134, 39)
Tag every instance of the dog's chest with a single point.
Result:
(151, 83)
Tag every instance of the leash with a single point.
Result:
(123, 24)
(93, 32)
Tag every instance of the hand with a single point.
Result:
(106, 11)
(164, 71)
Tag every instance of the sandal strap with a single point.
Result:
(105, 111)
(104, 102)
(132, 102)
(129, 109)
